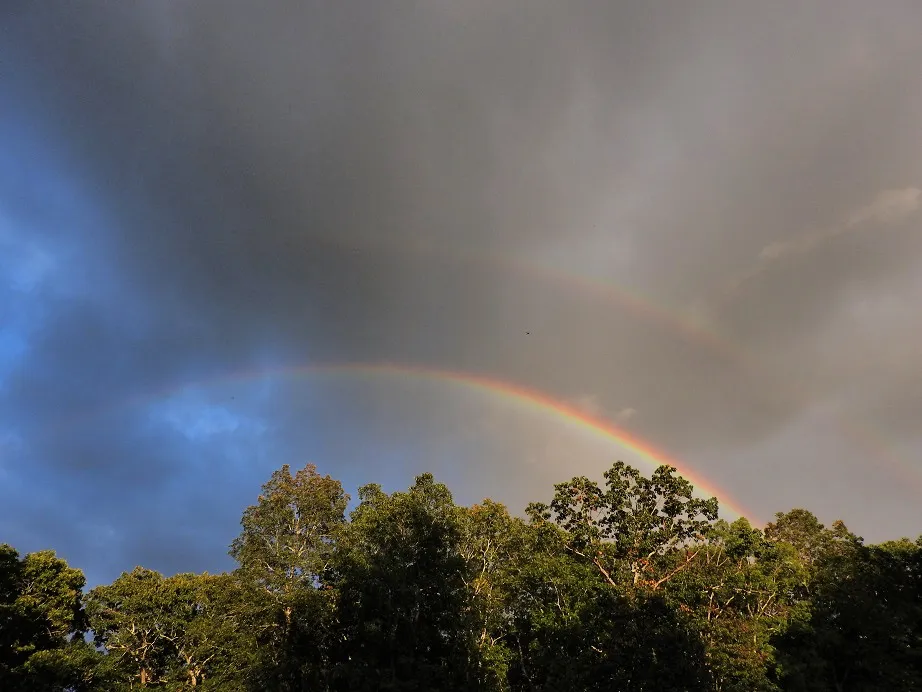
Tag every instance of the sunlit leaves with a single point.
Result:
(287, 538)
(40, 613)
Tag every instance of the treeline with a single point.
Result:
(631, 584)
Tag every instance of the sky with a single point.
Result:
(698, 222)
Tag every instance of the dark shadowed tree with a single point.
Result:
(42, 624)
(572, 630)
(863, 632)
(402, 594)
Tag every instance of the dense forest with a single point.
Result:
(628, 584)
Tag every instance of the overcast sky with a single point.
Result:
(698, 220)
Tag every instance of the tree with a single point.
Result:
(865, 620)
(187, 630)
(285, 548)
(215, 636)
(634, 522)
(571, 630)
(401, 606)
(134, 619)
(208, 626)
(860, 612)
(289, 536)
(493, 545)
(41, 622)
(742, 592)
(15, 630)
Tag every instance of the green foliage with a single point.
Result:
(185, 629)
(740, 592)
(77, 666)
(630, 585)
(630, 528)
(285, 550)
(493, 544)
(571, 630)
(865, 620)
(288, 537)
(40, 613)
(400, 576)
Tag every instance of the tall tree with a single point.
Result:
(285, 548)
(572, 630)
(42, 623)
(184, 631)
(864, 625)
(631, 528)
(288, 536)
(742, 592)
(493, 545)
(135, 618)
(402, 595)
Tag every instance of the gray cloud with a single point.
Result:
(888, 207)
(210, 188)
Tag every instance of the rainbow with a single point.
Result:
(672, 321)
(855, 431)
(635, 304)
(668, 320)
(677, 324)
(523, 397)
(631, 302)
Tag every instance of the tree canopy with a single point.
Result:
(634, 583)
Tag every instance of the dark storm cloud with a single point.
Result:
(202, 188)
